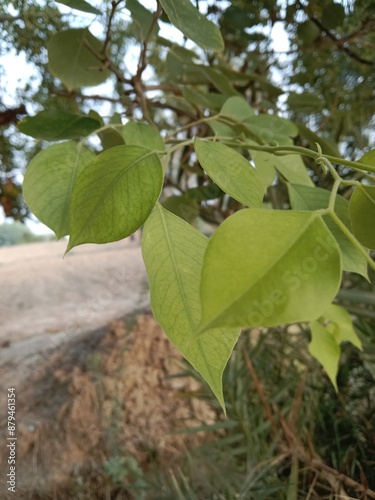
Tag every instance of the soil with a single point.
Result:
(96, 379)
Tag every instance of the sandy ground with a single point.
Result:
(46, 299)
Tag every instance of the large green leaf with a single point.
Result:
(49, 181)
(230, 171)
(141, 134)
(56, 124)
(71, 59)
(313, 198)
(362, 215)
(325, 349)
(193, 24)
(80, 5)
(173, 253)
(269, 267)
(114, 195)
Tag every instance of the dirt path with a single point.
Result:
(46, 299)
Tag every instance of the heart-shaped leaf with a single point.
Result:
(269, 267)
(56, 124)
(193, 24)
(173, 253)
(71, 60)
(49, 181)
(230, 171)
(114, 195)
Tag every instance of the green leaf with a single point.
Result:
(203, 193)
(80, 5)
(368, 158)
(344, 323)
(237, 109)
(292, 168)
(272, 128)
(333, 15)
(362, 215)
(141, 134)
(210, 100)
(230, 171)
(328, 147)
(111, 137)
(325, 349)
(305, 102)
(220, 81)
(182, 206)
(308, 32)
(49, 180)
(55, 124)
(114, 195)
(142, 18)
(313, 198)
(173, 253)
(73, 62)
(265, 167)
(193, 24)
(269, 267)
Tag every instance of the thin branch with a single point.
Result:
(142, 62)
(66, 93)
(340, 43)
(107, 40)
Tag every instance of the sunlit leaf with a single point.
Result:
(325, 349)
(49, 180)
(56, 124)
(231, 171)
(362, 215)
(114, 195)
(193, 24)
(71, 60)
(269, 267)
(173, 253)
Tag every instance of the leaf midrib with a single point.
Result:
(89, 218)
(247, 290)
